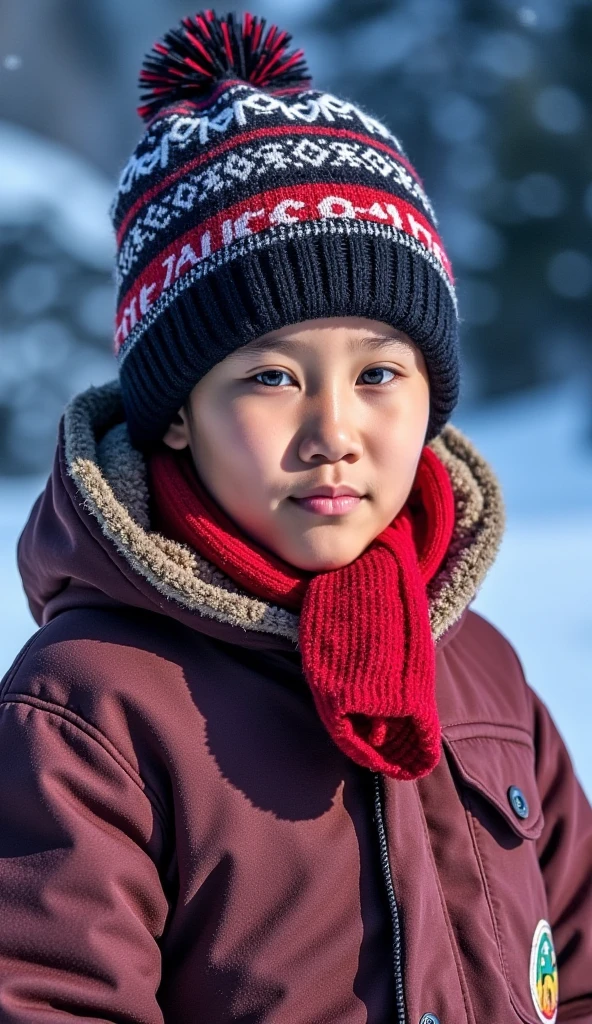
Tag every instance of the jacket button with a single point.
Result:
(518, 802)
(429, 1018)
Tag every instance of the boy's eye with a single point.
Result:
(275, 374)
(379, 369)
(270, 373)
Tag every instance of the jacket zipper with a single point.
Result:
(390, 891)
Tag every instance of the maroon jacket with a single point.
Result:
(181, 841)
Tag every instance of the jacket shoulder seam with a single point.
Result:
(92, 733)
(510, 649)
(18, 661)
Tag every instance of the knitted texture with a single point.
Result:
(364, 630)
(253, 201)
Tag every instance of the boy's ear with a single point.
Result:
(177, 435)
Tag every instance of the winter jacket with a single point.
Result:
(182, 842)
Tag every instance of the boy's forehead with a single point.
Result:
(353, 339)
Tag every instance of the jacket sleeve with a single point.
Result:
(81, 902)
(565, 857)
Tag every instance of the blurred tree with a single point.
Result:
(493, 103)
(56, 292)
(77, 71)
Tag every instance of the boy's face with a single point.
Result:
(323, 403)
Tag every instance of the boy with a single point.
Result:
(261, 762)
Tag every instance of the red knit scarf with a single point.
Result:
(364, 630)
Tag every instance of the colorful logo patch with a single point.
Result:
(543, 973)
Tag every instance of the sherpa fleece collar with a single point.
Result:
(111, 478)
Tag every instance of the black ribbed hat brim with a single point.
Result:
(338, 272)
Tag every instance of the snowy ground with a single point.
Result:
(538, 591)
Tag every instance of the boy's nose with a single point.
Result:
(329, 430)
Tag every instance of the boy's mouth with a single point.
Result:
(327, 506)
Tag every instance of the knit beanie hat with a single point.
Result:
(254, 201)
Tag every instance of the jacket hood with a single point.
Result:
(88, 540)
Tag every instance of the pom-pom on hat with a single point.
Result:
(205, 51)
(254, 201)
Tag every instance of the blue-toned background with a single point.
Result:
(493, 102)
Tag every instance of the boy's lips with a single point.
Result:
(327, 491)
(327, 506)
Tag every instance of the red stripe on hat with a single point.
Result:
(256, 133)
(204, 25)
(287, 63)
(310, 202)
(197, 67)
(199, 45)
(227, 45)
(258, 34)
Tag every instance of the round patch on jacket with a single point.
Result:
(543, 973)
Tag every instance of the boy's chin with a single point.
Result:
(324, 560)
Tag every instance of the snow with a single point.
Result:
(39, 175)
(537, 591)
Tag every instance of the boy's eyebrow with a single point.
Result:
(368, 343)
